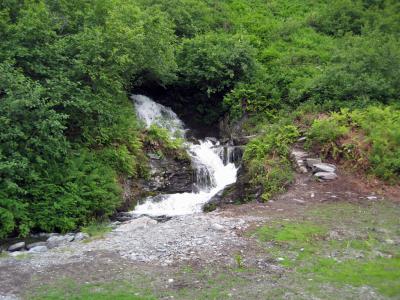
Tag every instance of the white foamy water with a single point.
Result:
(212, 175)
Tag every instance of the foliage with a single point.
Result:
(326, 130)
(67, 126)
(96, 229)
(267, 159)
(66, 68)
(368, 139)
(215, 62)
(158, 140)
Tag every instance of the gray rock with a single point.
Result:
(38, 249)
(56, 241)
(325, 175)
(312, 161)
(299, 154)
(303, 169)
(302, 139)
(16, 246)
(136, 224)
(80, 236)
(322, 167)
(33, 245)
(217, 227)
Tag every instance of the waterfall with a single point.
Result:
(212, 171)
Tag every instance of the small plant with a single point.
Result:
(96, 229)
(239, 261)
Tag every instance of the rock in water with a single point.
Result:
(325, 175)
(16, 246)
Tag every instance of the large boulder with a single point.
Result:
(170, 175)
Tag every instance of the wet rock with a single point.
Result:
(325, 175)
(323, 167)
(37, 244)
(123, 216)
(170, 175)
(80, 236)
(38, 249)
(16, 247)
(58, 240)
(312, 161)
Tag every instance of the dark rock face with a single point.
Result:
(169, 175)
(236, 193)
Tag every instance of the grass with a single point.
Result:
(357, 254)
(99, 291)
(96, 230)
(380, 273)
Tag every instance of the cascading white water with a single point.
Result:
(212, 174)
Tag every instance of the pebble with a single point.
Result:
(280, 259)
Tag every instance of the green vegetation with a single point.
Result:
(369, 139)
(267, 159)
(336, 244)
(68, 130)
(97, 229)
(71, 290)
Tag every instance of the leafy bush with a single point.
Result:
(159, 140)
(382, 129)
(339, 18)
(327, 130)
(267, 159)
(215, 62)
(369, 139)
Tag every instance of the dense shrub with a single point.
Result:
(267, 159)
(367, 139)
(67, 125)
(215, 62)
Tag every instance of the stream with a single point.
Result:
(213, 164)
